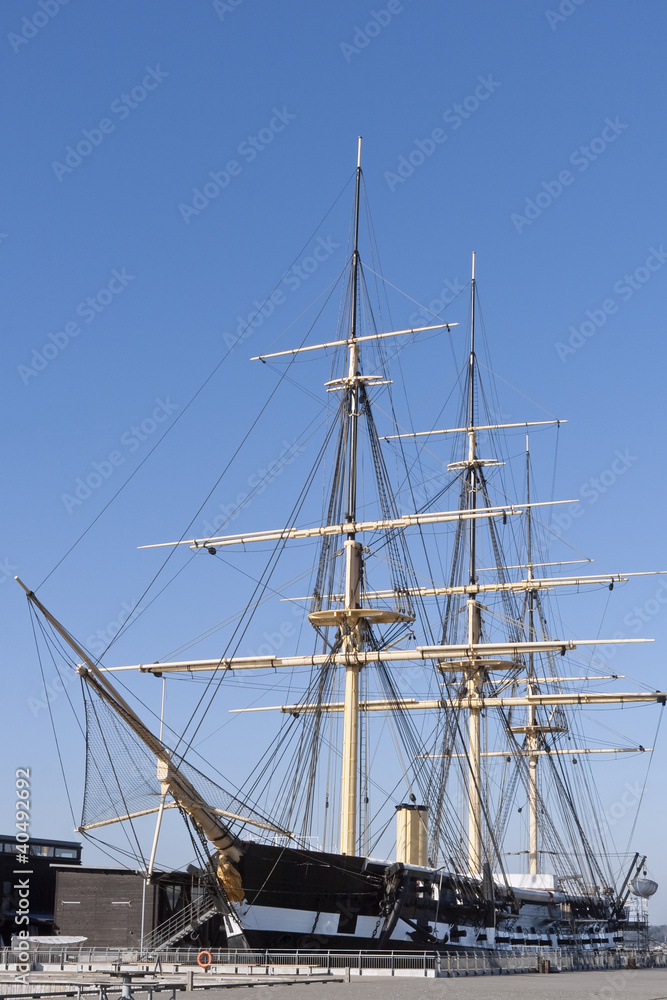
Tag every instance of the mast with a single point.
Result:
(531, 735)
(473, 680)
(351, 628)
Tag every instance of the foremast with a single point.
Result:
(351, 627)
(352, 619)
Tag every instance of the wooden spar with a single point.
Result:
(478, 427)
(270, 662)
(353, 527)
(479, 703)
(175, 805)
(348, 341)
(554, 752)
(519, 586)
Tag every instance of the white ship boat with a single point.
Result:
(410, 591)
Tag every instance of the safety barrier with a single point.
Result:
(356, 963)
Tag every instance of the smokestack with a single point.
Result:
(412, 834)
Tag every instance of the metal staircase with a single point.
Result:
(182, 923)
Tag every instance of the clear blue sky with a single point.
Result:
(165, 163)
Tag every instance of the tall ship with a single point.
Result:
(428, 783)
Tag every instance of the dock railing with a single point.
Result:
(388, 963)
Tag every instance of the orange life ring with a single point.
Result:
(204, 965)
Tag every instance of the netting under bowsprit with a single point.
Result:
(122, 775)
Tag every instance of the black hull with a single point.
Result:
(313, 900)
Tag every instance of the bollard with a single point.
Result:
(346, 974)
(189, 980)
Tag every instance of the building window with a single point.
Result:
(41, 850)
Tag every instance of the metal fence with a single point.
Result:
(387, 962)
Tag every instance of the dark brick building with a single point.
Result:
(105, 905)
(43, 857)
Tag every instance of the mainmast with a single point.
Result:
(474, 679)
(352, 625)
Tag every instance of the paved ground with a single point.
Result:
(642, 984)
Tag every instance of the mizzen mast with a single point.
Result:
(531, 733)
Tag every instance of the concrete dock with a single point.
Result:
(621, 984)
(639, 984)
